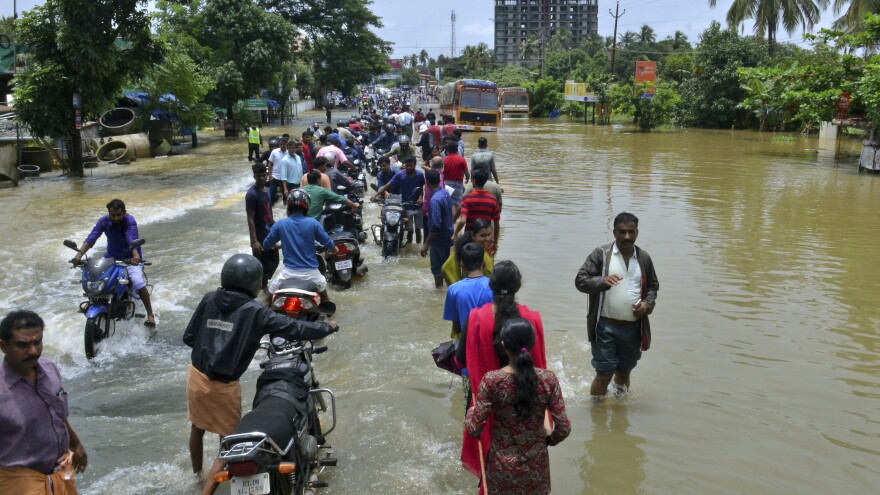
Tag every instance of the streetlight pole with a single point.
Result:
(616, 16)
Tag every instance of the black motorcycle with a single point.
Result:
(280, 446)
(343, 225)
(396, 221)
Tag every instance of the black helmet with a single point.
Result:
(403, 140)
(243, 273)
(274, 142)
(299, 198)
(353, 119)
(389, 128)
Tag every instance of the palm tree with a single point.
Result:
(854, 16)
(768, 13)
(528, 48)
(679, 41)
(647, 35)
(628, 38)
(476, 58)
(423, 58)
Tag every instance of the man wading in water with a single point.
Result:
(622, 284)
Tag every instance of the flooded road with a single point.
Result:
(763, 376)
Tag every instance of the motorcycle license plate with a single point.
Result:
(344, 264)
(257, 484)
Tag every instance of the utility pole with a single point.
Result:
(616, 16)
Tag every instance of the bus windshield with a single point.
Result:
(519, 100)
(489, 101)
(470, 98)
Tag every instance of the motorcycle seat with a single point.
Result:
(343, 236)
(297, 283)
(273, 416)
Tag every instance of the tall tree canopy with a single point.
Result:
(769, 13)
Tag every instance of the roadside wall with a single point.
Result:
(301, 106)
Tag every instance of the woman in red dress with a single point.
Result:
(517, 396)
(480, 349)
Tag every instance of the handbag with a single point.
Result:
(444, 357)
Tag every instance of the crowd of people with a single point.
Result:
(515, 407)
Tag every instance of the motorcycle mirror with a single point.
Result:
(137, 243)
(327, 307)
(71, 244)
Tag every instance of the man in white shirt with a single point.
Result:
(275, 158)
(622, 284)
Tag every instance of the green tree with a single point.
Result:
(338, 30)
(714, 92)
(853, 17)
(477, 59)
(510, 76)
(180, 76)
(545, 95)
(767, 15)
(528, 49)
(424, 58)
(85, 47)
(241, 45)
(648, 112)
(647, 35)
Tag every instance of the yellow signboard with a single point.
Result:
(578, 92)
(575, 89)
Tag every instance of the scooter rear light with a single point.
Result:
(288, 304)
(342, 248)
(306, 303)
(221, 476)
(240, 469)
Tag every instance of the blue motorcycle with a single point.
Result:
(111, 297)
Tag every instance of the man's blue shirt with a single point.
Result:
(440, 217)
(298, 234)
(406, 186)
(119, 238)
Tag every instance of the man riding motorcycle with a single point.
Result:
(403, 149)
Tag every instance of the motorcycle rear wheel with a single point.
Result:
(97, 328)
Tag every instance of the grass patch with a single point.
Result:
(783, 139)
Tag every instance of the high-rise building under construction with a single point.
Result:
(523, 26)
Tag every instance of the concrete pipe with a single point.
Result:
(118, 121)
(115, 152)
(138, 144)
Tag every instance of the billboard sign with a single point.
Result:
(578, 92)
(646, 72)
(395, 63)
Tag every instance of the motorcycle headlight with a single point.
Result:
(393, 219)
(94, 287)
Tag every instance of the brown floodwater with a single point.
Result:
(763, 376)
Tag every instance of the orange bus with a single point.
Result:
(513, 103)
(471, 105)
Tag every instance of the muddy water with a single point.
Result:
(763, 377)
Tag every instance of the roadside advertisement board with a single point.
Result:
(646, 71)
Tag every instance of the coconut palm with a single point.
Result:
(768, 13)
(647, 35)
(628, 38)
(854, 16)
(476, 58)
(423, 58)
(528, 48)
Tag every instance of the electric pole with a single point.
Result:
(616, 16)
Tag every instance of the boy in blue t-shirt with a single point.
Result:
(468, 293)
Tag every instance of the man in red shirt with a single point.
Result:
(479, 203)
(455, 173)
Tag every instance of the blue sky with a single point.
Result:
(413, 25)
